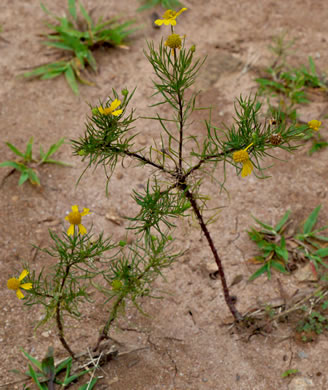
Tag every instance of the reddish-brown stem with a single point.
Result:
(61, 331)
(227, 297)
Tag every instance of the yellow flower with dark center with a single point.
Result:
(75, 219)
(112, 109)
(169, 17)
(314, 124)
(173, 41)
(15, 284)
(241, 156)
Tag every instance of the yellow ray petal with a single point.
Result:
(75, 208)
(115, 104)
(23, 274)
(159, 22)
(180, 12)
(117, 112)
(85, 212)
(19, 294)
(70, 231)
(82, 229)
(247, 168)
(26, 286)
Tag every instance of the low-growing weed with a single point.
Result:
(46, 374)
(77, 37)
(278, 248)
(27, 165)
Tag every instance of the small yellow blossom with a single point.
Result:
(314, 124)
(112, 109)
(241, 156)
(75, 218)
(173, 41)
(15, 284)
(169, 17)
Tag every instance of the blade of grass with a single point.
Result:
(311, 221)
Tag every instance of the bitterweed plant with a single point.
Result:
(77, 37)
(27, 165)
(182, 160)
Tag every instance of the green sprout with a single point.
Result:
(77, 37)
(45, 374)
(27, 165)
(272, 242)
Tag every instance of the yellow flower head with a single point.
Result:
(112, 109)
(314, 124)
(241, 156)
(75, 218)
(173, 41)
(15, 284)
(169, 17)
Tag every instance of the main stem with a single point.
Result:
(227, 297)
(181, 182)
(113, 314)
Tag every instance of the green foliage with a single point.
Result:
(177, 159)
(273, 245)
(286, 88)
(45, 374)
(26, 164)
(167, 4)
(77, 37)
(64, 285)
(290, 372)
(275, 254)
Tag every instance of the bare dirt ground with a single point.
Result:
(183, 344)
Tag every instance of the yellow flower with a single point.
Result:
(314, 124)
(241, 156)
(169, 17)
(111, 110)
(173, 41)
(75, 218)
(15, 284)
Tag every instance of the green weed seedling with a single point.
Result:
(77, 37)
(289, 373)
(273, 245)
(166, 4)
(26, 164)
(46, 374)
(314, 319)
(275, 253)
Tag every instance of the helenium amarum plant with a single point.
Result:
(173, 187)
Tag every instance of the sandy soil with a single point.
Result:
(183, 344)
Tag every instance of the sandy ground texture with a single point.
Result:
(184, 344)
